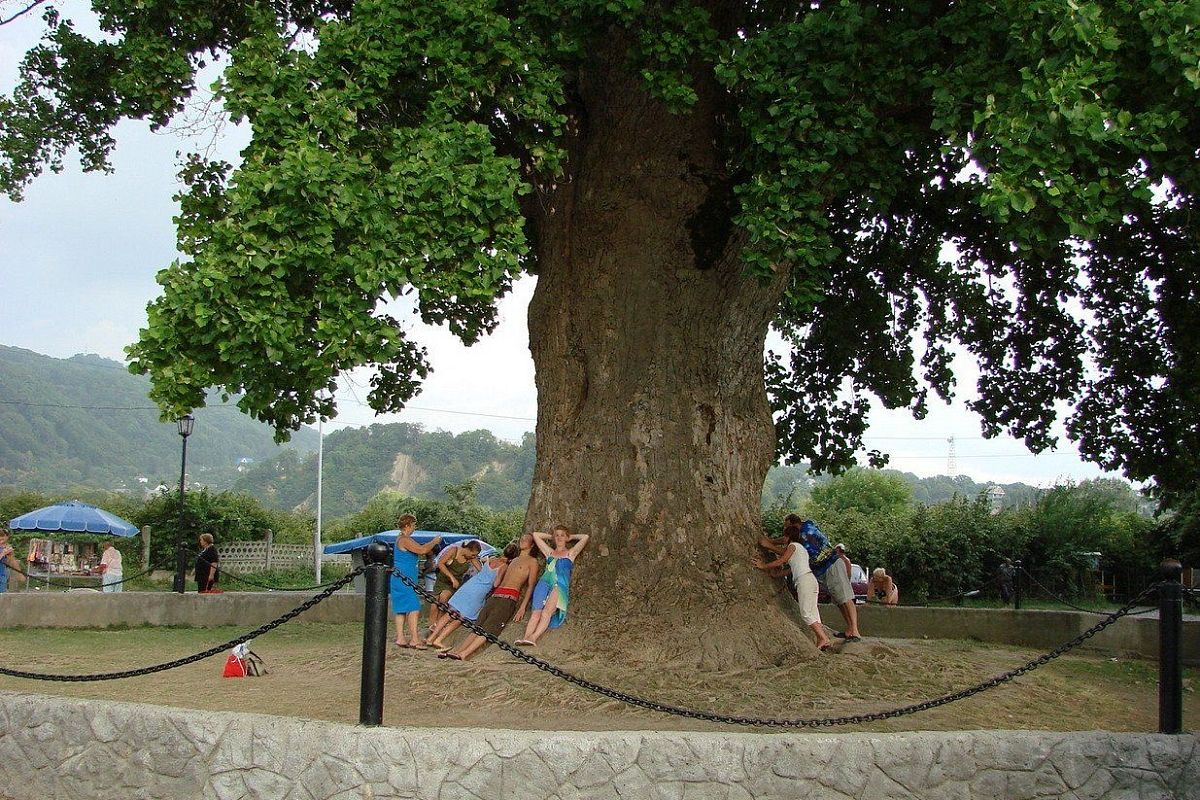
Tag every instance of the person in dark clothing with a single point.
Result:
(1006, 573)
(207, 570)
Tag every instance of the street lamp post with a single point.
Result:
(186, 423)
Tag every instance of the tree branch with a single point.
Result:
(23, 11)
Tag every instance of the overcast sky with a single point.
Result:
(78, 259)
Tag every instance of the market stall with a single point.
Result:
(69, 555)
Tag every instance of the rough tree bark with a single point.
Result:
(654, 433)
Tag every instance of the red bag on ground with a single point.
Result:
(234, 667)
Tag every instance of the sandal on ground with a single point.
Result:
(402, 645)
(525, 643)
(444, 654)
(419, 646)
(454, 656)
(853, 639)
(839, 634)
(825, 648)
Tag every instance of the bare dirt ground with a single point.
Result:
(315, 673)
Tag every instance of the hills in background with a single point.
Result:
(402, 457)
(405, 458)
(87, 421)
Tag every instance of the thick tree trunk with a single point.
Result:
(654, 433)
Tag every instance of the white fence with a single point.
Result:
(263, 556)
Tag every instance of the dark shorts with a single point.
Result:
(497, 612)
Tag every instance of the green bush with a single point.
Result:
(942, 550)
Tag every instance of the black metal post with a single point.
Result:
(1170, 632)
(1017, 585)
(180, 582)
(370, 697)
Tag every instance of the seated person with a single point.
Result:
(884, 588)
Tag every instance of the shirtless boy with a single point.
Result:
(502, 606)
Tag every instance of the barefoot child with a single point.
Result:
(501, 608)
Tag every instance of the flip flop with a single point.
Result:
(525, 643)
(402, 645)
(853, 639)
(444, 654)
(419, 646)
(839, 635)
(454, 656)
(825, 648)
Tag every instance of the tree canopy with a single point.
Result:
(1015, 177)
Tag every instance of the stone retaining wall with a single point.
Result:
(92, 750)
(1041, 630)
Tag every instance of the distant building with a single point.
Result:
(996, 496)
(244, 463)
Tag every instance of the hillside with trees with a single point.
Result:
(86, 421)
(398, 457)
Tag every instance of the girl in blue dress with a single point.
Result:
(552, 593)
(405, 603)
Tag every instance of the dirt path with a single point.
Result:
(315, 674)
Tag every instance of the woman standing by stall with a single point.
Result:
(111, 573)
(405, 603)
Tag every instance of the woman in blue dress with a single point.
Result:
(405, 603)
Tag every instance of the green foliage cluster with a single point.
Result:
(85, 421)
(791, 484)
(414, 148)
(956, 546)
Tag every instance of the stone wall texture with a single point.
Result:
(80, 750)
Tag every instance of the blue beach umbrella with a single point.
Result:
(73, 517)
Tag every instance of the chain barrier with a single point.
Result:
(48, 582)
(1068, 603)
(180, 662)
(771, 722)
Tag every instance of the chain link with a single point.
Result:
(179, 662)
(771, 722)
(1068, 603)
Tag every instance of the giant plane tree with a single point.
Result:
(881, 184)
